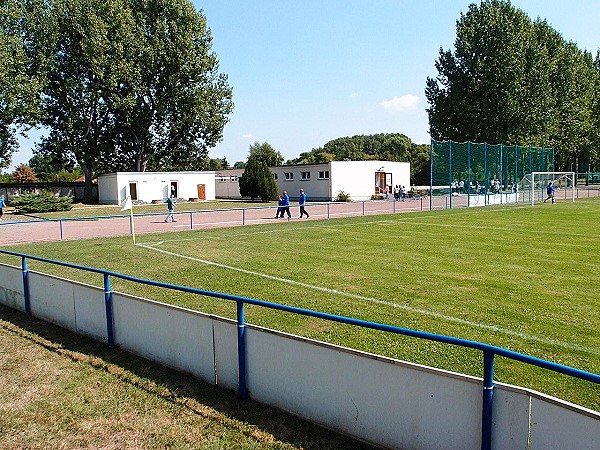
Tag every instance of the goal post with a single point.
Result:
(563, 182)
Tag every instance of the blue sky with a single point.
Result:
(305, 72)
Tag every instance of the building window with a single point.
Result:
(222, 179)
(233, 178)
(323, 174)
(289, 176)
(275, 176)
(305, 175)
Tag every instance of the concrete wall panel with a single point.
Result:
(51, 299)
(90, 311)
(560, 425)
(510, 419)
(226, 354)
(179, 338)
(385, 402)
(11, 287)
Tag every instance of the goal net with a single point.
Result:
(535, 185)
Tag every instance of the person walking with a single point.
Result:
(301, 203)
(550, 192)
(286, 205)
(2, 205)
(279, 207)
(171, 209)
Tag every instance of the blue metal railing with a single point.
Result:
(489, 351)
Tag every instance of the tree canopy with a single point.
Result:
(515, 81)
(384, 146)
(125, 84)
(21, 74)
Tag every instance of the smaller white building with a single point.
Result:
(322, 182)
(147, 187)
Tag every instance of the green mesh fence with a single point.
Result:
(469, 168)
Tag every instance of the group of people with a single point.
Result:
(284, 205)
(400, 192)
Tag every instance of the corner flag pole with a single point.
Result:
(128, 204)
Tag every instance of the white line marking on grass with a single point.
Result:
(386, 303)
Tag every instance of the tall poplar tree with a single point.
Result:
(510, 80)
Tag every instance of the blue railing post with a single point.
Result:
(60, 226)
(109, 314)
(488, 397)
(241, 335)
(26, 300)
(130, 224)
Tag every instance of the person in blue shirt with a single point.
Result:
(2, 205)
(279, 207)
(171, 208)
(550, 192)
(286, 205)
(301, 203)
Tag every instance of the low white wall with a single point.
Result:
(384, 401)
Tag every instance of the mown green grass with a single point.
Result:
(523, 278)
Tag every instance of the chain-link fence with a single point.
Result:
(470, 168)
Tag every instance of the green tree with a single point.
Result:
(176, 103)
(257, 181)
(88, 68)
(265, 153)
(133, 84)
(21, 74)
(513, 81)
(480, 91)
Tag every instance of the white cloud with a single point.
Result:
(404, 103)
(248, 137)
(354, 95)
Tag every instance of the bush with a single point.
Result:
(43, 202)
(343, 196)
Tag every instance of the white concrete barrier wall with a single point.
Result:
(176, 337)
(11, 287)
(391, 403)
(384, 401)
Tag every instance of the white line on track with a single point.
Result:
(424, 312)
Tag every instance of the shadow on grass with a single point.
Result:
(179, 388)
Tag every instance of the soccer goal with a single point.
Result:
(536, 185)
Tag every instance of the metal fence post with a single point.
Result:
(60, 226)
(241, 334)
(244, 216)
(363, 207)
(328, 210)
(109, 314)
(191, 220)
(488, 397)
(26, 299)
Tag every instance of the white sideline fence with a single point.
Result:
(387, 402)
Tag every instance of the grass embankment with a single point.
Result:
(59, 390)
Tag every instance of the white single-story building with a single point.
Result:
(322, 182)
(146, 187)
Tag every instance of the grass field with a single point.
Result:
(520, 277)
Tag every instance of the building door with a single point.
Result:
(174, 189)
(380, 182)
(133, 191)
(201, 192)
